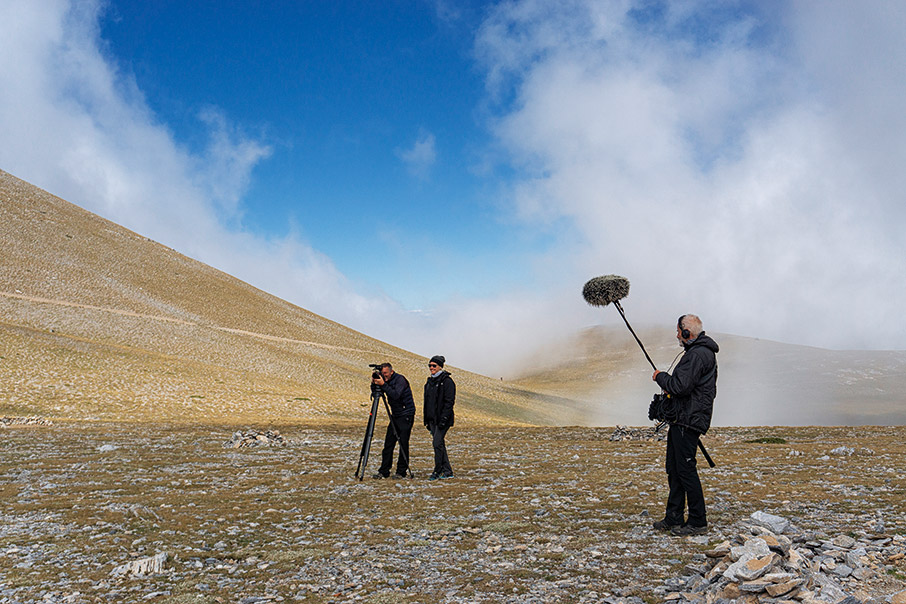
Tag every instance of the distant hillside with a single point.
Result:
(97, 322)
(760, 383)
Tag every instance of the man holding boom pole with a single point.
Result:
(693, 387)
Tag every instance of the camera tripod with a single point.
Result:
(377, 395)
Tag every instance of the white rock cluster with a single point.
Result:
(770, 561)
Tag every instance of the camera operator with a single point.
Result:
(693, 387)
(440, 396)
(402, 406)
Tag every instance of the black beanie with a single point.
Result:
(438, 359)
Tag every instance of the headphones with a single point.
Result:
(683, 331)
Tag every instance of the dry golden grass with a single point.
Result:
(97, 322)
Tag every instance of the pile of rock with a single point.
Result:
(622, 433)
(255, 438)
(25, 421)
(770, 561)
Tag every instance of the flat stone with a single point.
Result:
(754, 587)
(755, 568)
(776, 524)
(779, 577)
(719, 551)
(779, 589)
(844, 541)
(753, 548)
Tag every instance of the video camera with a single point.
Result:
(375, 370)
(663, 409)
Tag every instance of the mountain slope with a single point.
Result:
(760, 382)
(97, 322)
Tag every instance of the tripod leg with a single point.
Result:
(366, 443)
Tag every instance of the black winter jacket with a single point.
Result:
(694, 383)
(440, 396)
(399, 395)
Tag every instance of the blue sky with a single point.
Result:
(445, 176)
(372, 114)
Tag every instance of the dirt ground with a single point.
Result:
(532, 514)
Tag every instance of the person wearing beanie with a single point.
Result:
(440, 396)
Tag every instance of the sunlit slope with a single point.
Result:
(99, 322)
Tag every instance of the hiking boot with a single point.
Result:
(398, 475)
(434, 476)
(378, 475)
(445, 476)
(688, 530)
(663, 525)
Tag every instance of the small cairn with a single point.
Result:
(771, 561)
(25, 421)
(255, 438)
(625, 433)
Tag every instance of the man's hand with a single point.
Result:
(654, 376)
(379, 381)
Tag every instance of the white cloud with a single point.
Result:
(749, 177)
(421, 156)
(74, 123)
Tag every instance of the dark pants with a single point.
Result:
(682, 477)
(404, 429)
(441, 460)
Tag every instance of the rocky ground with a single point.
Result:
(94, 512)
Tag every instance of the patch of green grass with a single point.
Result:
(896, 573)
(768, 440)
(507, 527)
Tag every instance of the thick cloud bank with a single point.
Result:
(744, 165)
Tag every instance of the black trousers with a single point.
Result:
(682, 478)
(441, 460)
(404, 428)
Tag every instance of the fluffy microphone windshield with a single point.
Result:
(601, 291)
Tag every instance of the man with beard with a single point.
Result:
(402, 406)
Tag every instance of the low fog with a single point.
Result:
(760, 382)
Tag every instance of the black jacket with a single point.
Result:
(399, 395)
(694, 383)
(440, 396)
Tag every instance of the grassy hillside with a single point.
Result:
(98, 322)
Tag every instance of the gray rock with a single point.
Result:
(775, 524)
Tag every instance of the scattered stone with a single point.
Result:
(625, 433)
(775, 524)
(25, 421)
(820, 570)
(255, 438)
